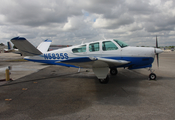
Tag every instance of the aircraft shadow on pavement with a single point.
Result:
(59, 93)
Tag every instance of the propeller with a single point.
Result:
(157, 53)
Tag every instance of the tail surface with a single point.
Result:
(9, 46)
(25, 47)
(44, 46)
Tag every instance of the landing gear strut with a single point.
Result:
(113, 71)
(152, 76)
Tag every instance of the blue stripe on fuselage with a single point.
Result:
(134, 61)
(77, 60)
(51, 62)
(139, 61)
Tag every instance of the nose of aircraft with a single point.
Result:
(157, 50)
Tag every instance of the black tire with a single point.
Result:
(113, 71)
(152, 76)
(104, 81)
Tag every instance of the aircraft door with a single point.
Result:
(94, 49)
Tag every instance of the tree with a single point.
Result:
(15, 47)
(2, 44)
(170, 47)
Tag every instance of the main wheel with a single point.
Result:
(113, 71)
(104, 81)
(152, 76)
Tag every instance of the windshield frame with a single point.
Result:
(121, 43)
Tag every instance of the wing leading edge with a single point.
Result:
(96, 62)
(110, 62)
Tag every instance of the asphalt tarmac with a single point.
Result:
(55, 93)
(19, 67)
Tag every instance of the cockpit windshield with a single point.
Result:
(122, 44)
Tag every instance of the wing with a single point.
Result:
(98, 62)
(110, 62)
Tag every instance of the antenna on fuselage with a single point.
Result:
(83, 41)
(103, 36)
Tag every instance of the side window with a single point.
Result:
(79, 49)
(94, 47)
(108, 45)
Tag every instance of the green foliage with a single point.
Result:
(1, 44)
(170, 47)
(15, 47)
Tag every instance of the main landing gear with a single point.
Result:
(104, 81)
(152, 75)
(113, 71)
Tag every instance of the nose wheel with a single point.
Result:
(152, 75)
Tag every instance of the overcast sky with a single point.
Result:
(136, 22)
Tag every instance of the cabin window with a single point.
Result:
(94, 47)
(79, 49)
(108, 45)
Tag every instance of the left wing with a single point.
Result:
(97, 62)
(110, 62)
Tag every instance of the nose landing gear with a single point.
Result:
(152, 75)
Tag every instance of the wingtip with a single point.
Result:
(18, 38)
(48, 40)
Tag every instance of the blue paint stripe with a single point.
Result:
(9, 45)
(135, 62)
(18, 38)
(77, 60)
(52, 62)
(48, 40)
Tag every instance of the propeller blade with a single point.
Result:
(157, 55)
(156, 42)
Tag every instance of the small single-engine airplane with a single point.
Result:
(10, 49)
(99, 55)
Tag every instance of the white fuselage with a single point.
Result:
(80, 55)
